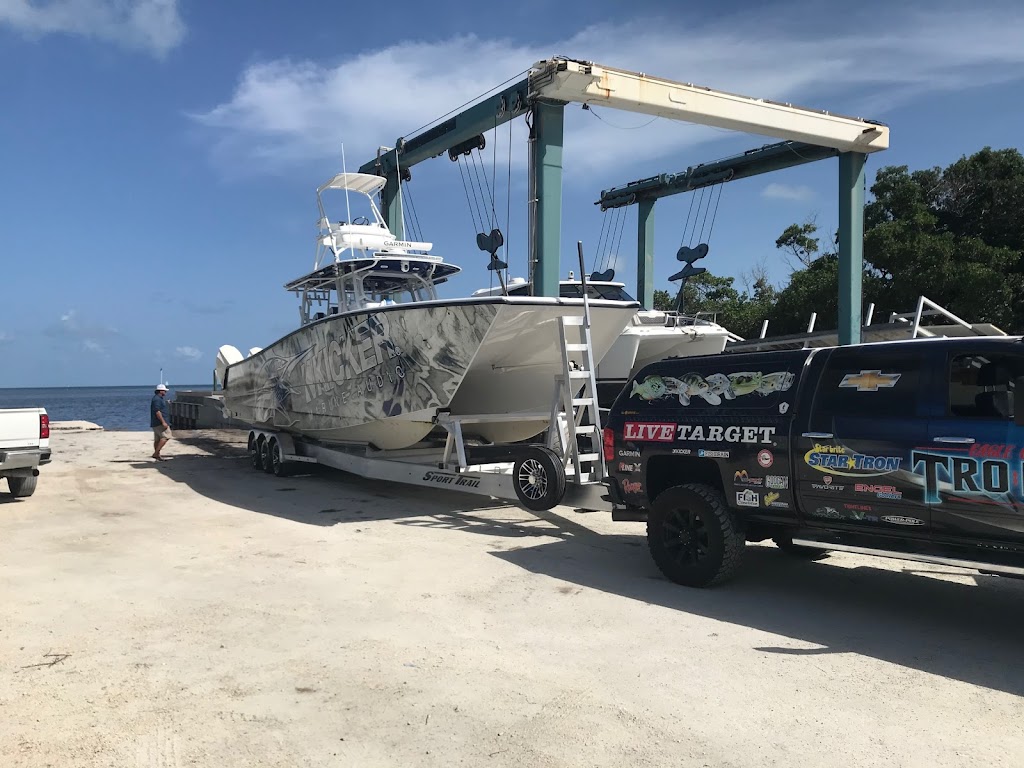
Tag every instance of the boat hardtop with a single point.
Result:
(359, 262)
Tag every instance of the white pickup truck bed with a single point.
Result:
(24, 447)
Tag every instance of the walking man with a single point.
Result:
(159, 412)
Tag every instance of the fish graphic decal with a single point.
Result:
(714, 388)
(273, 396)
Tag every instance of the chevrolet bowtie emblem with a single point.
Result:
(870, 381)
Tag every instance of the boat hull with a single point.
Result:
(380, 376)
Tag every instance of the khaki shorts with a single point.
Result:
(162, 432)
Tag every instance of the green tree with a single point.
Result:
(716, 297)
(954, 235)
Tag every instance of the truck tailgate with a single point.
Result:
(19, 428)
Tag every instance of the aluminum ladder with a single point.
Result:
(576, 398)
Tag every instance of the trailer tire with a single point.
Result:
(539, 479)
(254, 451)
(278, 465)
(785, 543)
(266, 464)
(22, 486)
(693, 536)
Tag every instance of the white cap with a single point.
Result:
(161, 388)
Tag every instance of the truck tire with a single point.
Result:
(693, 536)
(785, 543)
(22, 486)
(539, 479)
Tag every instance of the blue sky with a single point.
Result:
(158, 158)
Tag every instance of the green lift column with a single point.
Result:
(851, 245)
(645, 254)
(391, 203)
(549, 129)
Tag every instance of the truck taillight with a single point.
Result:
(44, 426)
(609, 444)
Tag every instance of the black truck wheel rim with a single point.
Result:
(686, 537)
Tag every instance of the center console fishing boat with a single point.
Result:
(378, 355)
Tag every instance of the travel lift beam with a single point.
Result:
(553, 83)
(645, 192)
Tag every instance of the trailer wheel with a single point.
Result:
(254, 451)
(785, 543)
(539, 479)
(266, 463)
(22, 486)
(694, 538)
(277, 463)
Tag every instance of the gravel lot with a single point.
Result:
(195, 612)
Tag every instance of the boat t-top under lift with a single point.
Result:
(553, 83)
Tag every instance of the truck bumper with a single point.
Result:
(23, 458)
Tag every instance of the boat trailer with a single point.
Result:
(539, 476)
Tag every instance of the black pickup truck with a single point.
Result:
(908, 449)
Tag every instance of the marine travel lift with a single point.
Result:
(553, 83)
(644, 193)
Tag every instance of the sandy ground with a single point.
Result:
(198, 613)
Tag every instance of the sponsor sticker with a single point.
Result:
(777, 482)
(713, 454)
(771, 499)
(830, 513)
(630, 486)
(765, 458)
(646, 432)
(838, 460)
(863, 507)
(660, 432)
(901, 520)
(742, 477)
(628, 468)
(682, 451)
(747, 498)
(879, 491)
(826, 484)
(626, 454)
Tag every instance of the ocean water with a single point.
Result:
(120, 408)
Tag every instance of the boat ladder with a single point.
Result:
(575, 417)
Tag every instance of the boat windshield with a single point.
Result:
(610, 291)
(380, 281)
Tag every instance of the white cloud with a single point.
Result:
(71, 326)
(787, 192)
(288, 111)
(91, 345)
(5, 337)
(188, 353)
(153, 26)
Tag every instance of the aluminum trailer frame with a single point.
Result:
(530, 474)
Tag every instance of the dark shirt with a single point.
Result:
(159, 405)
